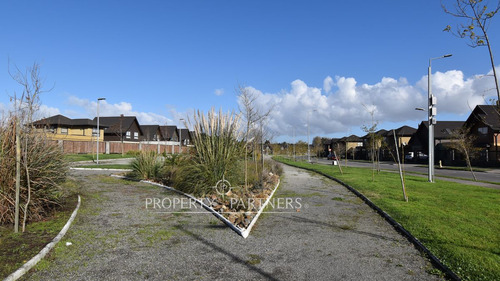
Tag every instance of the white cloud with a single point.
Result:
(336, 109)
(219, 92)
(115, 109)
(328, 84)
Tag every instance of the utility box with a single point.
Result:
(334, 162)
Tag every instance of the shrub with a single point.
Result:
(42, 170)
(146, 165)
(171, 164)
(217, 148)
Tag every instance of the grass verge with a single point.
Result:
(18, 248)
(92, 157)
(458, 223)
(108, 166)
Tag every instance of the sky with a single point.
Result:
(329, 64)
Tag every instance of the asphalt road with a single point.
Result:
(491, 176)
(333, 236)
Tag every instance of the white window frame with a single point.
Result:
(136, 135)
(127, 135)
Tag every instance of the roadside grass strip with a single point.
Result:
(33, 261)
(459, 224)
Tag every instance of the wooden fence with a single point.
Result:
(112, 147)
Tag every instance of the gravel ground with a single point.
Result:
(334, 236)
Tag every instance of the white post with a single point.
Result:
(431, 118)
(98, 132)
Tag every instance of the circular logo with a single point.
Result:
(222, 187)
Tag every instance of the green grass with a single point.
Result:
(108, 166)
(18, 248)
(459, 223)
(91, 157)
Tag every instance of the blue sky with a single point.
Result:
(161, 60)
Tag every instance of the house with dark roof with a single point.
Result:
(403, 136)
(184, 136)
(151, 133)
(353, 145)
(121, 128)
(169, 133)
(60, 127)
(484, 123)
(443, 135)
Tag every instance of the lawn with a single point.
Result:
(18, 248)
(459, 223)
(91, 157)
(108, 166)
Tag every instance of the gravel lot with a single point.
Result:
(334, 236)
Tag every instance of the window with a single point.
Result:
(154, 137)
(483, 130)
(94, 132)
(64, 131)
(127, 135)
(136, 135)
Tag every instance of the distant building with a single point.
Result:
(169, 133)
(59, 127)
(151, 133)
(121, 128)
(484, 123)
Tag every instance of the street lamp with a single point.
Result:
(180, 137)
(308, 148)
(98, 132)
(432, 117)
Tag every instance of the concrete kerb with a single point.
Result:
(399, 228)
(243, 232)
(100, 169)
(33, 261)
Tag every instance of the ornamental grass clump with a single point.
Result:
(146, 165)
(217, 146)
(42, 169)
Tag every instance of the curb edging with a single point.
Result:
(34, 260)
(399, 228)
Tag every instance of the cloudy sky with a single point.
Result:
(331, 62)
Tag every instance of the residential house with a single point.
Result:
(121, 128)
(184, 136)
(443, 135)
(378, 142)
(59, 127)
(353, 145)
(484, 123)
(169, 133)
(403, 136)
(151, 133)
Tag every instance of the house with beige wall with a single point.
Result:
(59, 127)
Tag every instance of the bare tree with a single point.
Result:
(253, 117)
(41, 160)
(464, 142)
(476, 15)
(371, 132)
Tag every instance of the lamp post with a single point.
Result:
(98, 132)
(308, 148)
(180, 137)
(432, 117)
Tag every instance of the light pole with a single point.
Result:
(432, 110)
(98, 132)
(308, 148)
(180, 137)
